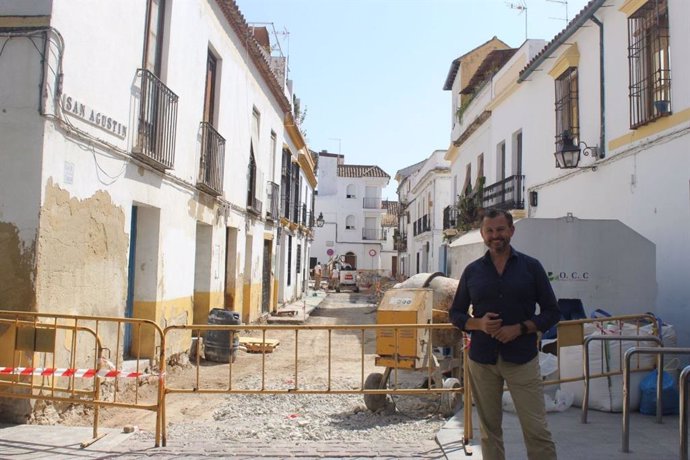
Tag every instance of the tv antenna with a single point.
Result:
(521, 6)
(564, 3)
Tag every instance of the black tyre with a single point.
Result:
(374, 382)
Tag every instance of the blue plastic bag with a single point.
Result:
(669, 394)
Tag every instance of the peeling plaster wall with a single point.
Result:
(16, 270)
(82, 254)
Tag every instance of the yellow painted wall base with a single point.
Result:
(204, 302)
(251, 307)
(164, 313)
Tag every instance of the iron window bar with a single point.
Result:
(211, 160)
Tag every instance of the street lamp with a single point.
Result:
(568, 153)
(320, 221)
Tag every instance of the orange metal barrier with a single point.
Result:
(66, 358)
(330, 337)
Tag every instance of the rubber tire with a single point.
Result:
(356, 289)
(374, 402)
(337, 289)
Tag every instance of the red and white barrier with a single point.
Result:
(67, 372)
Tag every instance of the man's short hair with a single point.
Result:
(492, 213)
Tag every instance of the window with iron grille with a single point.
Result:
(298, 262)
(567, 109)
(289, 260)
(648, 61)
(251, 178)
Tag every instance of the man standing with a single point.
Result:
(503, 288)
(335, 278)
(317, 276)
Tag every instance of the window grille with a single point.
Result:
(567, 109)
(648, 62)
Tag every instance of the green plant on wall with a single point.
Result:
(466, 101)
(470, 206)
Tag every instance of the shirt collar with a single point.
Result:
(513, 255)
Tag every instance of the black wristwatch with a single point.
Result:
(523, 328)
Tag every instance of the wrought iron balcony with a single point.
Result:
(506, 194)
(303, 215)
(426, 223)
(311, 220)
(155, 144)
(372, 234)
(450, 217)
(400, 241)
(371, 203)
(211, 161)
(273, 201)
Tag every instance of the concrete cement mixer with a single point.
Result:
(434, 358)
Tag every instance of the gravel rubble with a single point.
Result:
(312, 417)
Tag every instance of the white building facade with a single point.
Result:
(426, 192)
(597, 123)
(349, 200)
(142, 163)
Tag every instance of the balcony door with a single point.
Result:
(153, 40)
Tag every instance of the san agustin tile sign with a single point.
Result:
(74, 107)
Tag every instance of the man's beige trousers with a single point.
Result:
(524, 383)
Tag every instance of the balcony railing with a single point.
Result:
(426, 223)
(506, 194)
(273, 201)
(211, 160)
(450, 217)
(371, 203)
(303, 215)
(311, 220)
(155, 143)
(254, 205)
(400, 243)
(372, 234)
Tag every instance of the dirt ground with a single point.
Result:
(202, 387)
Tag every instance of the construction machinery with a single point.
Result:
(414, 357)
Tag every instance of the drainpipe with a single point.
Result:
(602, 91)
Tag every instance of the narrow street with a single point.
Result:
(248, 419)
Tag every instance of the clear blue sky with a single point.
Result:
(371, 72)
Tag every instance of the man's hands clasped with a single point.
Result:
(492, 324)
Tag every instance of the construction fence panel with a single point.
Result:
(75, 359)
(312, 360)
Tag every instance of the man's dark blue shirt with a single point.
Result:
(513, 295)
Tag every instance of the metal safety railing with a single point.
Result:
(683, 417)
(331, 337)
(574, 332)
(65, 358)
(659, 352)
(608, 338)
